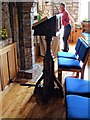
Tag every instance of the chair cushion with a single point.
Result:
(71, 55)
(78, 107)
(77, 86)
(67, 63)
(67, 55)
(84, 49)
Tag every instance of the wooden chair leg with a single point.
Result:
(77, 75)
(82, 74)
(60, 76)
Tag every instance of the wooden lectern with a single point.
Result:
(48, 28)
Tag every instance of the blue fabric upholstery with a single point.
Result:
(77, 86)
(71, 55)
(67, 55)
(77, 107)
(78, 44)
(84, 49)
(68, 63)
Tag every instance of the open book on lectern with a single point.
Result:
(48, 26)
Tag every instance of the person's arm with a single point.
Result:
(72, 20)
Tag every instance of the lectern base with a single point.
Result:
(57, 92)
(46, 94)
(39, 91)
(43, 94)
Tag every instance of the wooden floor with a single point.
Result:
(19, 102)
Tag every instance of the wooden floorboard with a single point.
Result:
(20, 102)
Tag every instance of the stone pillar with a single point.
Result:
(26, 46)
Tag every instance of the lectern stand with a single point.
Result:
(48, 28)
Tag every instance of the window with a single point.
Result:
(84, 10)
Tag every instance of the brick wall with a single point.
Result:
(5, 18)
(26, 38)
(71, 6)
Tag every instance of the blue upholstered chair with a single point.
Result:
(71, 55)
(77, 107)
(77, 86)
(74, 65)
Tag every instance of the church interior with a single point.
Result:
(38, 80)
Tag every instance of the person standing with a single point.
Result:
(65, 21)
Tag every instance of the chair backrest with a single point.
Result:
(78, 45)
(83, 51)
